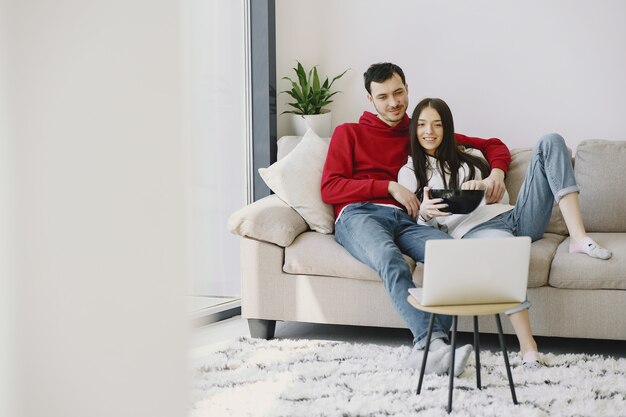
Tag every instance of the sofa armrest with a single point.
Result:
(268, 219)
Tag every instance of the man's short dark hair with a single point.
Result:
(381, 72)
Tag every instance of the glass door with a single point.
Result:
(215, 115)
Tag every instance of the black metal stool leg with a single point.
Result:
(426, 347)
(506, 358)
(477, 352)
(453, 351)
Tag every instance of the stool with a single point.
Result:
(474, 310)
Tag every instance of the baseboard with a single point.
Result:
(216, 313)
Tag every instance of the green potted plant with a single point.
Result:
(310, 96)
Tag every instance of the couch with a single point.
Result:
(292, 269)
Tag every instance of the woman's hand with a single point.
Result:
(431, 207)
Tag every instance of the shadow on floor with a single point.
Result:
(488, 341)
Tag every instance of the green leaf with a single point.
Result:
(309, 95)
(301, 75)
(336, 78)
(296, 106)
(316, 80)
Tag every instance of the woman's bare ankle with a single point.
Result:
(528, 347)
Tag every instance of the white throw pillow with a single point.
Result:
(296, 179)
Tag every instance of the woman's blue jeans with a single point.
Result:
(549, 178)
(378, 236)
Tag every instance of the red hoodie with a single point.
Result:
(364, 157)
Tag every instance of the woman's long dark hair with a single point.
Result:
(449, 156)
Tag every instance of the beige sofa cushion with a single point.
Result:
(579, 271)
(541, 254)
(520, 158)
(314, 253)
(269, 219)
(318, 254)
(600, 175)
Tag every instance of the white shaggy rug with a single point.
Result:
(290, 378)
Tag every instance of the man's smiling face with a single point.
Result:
(390, 99)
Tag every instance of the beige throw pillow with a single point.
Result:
(297, 179)
(269, 219)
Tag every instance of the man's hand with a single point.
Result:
(495, 186)
(405, 197)
(474, 185)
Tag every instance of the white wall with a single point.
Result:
(7, 236)
(214, 120)
(508, 69)
(95, 96)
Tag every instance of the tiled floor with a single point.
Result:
(236, 326)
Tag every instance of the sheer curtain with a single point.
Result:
(215, 128)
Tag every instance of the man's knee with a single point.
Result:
(434, 233)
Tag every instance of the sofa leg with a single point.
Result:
(262, 329)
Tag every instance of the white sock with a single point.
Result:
(590, 247)
(439, 358)
(436, 344)
(461, 355)
(438, 361)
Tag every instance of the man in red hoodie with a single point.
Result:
(375, 216)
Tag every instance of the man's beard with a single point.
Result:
(390, 117)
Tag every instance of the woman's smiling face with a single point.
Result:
(429, 130)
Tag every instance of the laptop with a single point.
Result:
(474, 271)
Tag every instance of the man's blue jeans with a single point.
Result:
(550, 177)
(378, 236)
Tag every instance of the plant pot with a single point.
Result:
(320, 123)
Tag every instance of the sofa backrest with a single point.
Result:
(599, 169)
(600, 173)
